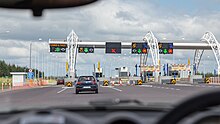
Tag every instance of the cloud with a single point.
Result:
(106, 20)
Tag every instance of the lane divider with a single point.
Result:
(115, 89)
(151, 86)
(62, 90)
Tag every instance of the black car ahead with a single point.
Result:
(60, 81)
(86, 83)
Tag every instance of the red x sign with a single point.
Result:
(113, 50)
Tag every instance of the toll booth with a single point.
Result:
(179, 71)
(123, 73)
(148, 76)
(18, 78)
(98, 73)
(174, 73)
(149, 72)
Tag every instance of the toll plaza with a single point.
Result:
(149, 44)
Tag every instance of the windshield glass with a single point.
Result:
(86, 78)
(153, 51)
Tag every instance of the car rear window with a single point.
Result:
(86, 78)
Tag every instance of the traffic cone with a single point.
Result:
(128, 83)
(120, 83)
(113, 83)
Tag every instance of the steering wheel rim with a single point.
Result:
(190, 106)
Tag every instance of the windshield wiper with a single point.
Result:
(115, 102)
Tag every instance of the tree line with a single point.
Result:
(5, 69)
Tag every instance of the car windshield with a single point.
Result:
(86, 78)
(158, 52)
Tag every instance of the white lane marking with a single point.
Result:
(105, 86)
(159, 87)
(115, 89)
(188, 85)
(145, 85)
(68, 87)
(62, 90)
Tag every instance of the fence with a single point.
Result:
(215, 80)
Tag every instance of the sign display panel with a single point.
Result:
(86, 50)
(165, 48)
(139, 48)
(113, 47)
(59, 48)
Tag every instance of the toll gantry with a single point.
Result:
(72, 45)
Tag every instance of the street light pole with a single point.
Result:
(35, 61)
(30, 54)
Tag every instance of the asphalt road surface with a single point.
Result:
(60, 96)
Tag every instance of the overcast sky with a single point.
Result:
(108, 20)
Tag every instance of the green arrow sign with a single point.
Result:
(165, 51)
(139, 51)
(57, 49)
(86, 50)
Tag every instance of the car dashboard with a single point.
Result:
(102, 116)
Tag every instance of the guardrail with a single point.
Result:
(214, 80)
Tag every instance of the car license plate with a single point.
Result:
(86, 87)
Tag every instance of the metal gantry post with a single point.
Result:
(72, 41)
(210, 38)
(154, 49)
(197, 58)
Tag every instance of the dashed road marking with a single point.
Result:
(145, 85)
(115, 89)
(187, 85)
(105, 86)
(151, 86)
(61, 90)
(68, 87)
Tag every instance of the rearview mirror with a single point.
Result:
(37, 6)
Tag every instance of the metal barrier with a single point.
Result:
(215, 80)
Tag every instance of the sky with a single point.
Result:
(108, 20)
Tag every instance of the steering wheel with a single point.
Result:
(190, 106)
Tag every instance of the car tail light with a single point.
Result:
(78, 83)
(93, 82)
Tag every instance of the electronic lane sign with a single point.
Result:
(165, 48)
(113, 47)
(86, 50)
(139, 48)
(58, 48)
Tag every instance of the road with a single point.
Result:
(59, 95)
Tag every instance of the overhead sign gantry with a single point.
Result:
(138, 47)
